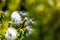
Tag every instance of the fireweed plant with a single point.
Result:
(19, 27)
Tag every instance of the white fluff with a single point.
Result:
(16, 17)
(11, 34)
(29, 31)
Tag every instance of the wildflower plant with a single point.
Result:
(29, 19)
(19, 27)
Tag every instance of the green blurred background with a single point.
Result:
(46, 15)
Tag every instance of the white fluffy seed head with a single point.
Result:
(16, 17)
(30, 30)
(11, 34)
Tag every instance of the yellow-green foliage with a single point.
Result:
(46, 14)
